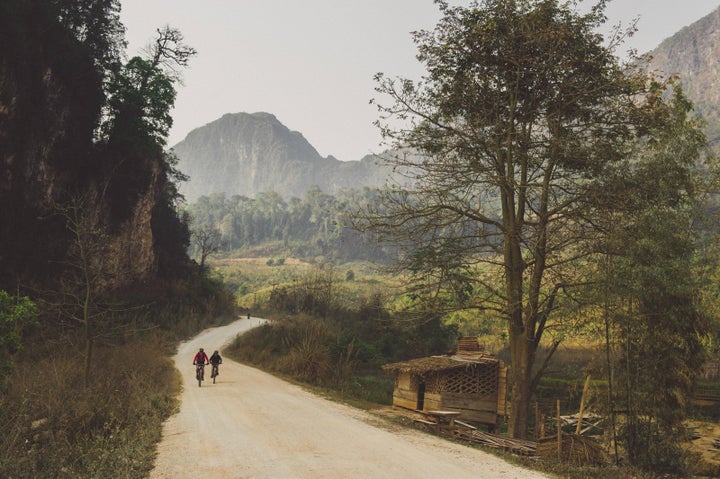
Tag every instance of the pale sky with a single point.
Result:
(311, 62)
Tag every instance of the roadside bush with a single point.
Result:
(654, 447)
(309, 357)
(15, 313)
(344, 351)
(181, 308)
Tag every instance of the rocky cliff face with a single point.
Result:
(54, 176)
(693, 53)
(244, 154)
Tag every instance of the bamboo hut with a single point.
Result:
(470, 382)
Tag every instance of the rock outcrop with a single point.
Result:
(693, 53)
(245, 154)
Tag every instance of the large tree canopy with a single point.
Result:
(522, 110)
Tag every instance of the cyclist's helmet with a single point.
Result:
(201, 350)
(215, 352)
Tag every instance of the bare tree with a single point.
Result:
(207, 241)
(85, 277)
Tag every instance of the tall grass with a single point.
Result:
(55, 427)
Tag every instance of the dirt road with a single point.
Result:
(253, 425)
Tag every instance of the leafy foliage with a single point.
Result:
(15, 313)
(522, 109)
(325, 342)
(653, 289)
(89, 218)
(80, 123)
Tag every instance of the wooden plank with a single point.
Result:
(489, 418)
(402, 402)
(582, 404)
(559, 433)
(404, 381)
(466, 401)
(518, 446)
(405, 394)
(484, 406)
(483, 417)
(423, 421)
(464, 424)
(432, 401)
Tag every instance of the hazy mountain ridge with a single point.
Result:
(693, 53)
(244, 154)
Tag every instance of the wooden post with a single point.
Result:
(536, 432)
(559, 432)
(578, 428)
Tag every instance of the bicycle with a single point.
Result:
(215, 372)
(200, 373)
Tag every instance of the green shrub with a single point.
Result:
(653, 447)
(15, 313)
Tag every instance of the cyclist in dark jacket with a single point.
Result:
(216, 361)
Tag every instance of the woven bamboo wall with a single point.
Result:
(477, 380)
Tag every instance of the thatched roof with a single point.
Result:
(422, 366)
(469, 354)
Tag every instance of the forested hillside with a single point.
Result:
(318, 226)
(82, 150)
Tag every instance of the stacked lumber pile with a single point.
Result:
(586, 424)
(575, 449)
(516, 446)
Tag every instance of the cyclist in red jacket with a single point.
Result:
(201, 358)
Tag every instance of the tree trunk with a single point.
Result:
(88, 360)
(520, 367)
(520, 379)
(87, 320)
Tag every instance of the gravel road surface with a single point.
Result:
(253, 425)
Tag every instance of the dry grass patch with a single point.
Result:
(55, 427)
